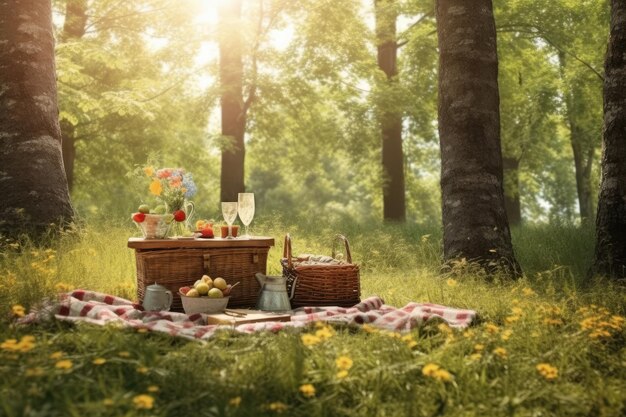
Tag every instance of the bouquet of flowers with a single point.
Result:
(172, 186)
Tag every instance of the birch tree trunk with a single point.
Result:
(610, 255)
(390, 119)
(32, 180)
(475, 224)
(232, 104)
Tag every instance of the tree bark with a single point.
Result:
(73, 28)
(475, 224)
(32, 181)
(232, 104)
(390, 119)
(610, 254)
(512, 203)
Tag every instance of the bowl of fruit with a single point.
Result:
(207, 296)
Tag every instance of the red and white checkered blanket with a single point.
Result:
(97, 308)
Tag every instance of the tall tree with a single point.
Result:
(232, 103)
(610, 256)
(390, 118)
(475, 224)
(73, 29)
(32, 181)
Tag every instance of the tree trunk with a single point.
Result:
(475, 225)
(390, 119)
(610, 256)
(32, 182)
(583, 148)
(512, 203)
(233, 112)
(73, 28)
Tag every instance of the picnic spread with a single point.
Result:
(103, 309)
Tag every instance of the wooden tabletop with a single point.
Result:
(255, 241)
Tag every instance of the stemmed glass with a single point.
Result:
(229, 211)
(246, 210)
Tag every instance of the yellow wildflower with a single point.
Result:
(599, 333)
(56, 355)
(156, 188)
(277, 406)
(63, 287)
(143, 402)
(548, 371)
(528, 292)
(235, 401)
(123, 354)
(479, 347)
(553, 322)
(443, 375)
(308, 390)
(511, 319)
(309, 339)
(500, 352)
(64, 364)
(451, 282)
(25, 344)
(37, 371)
(469, 333)
(343, 363)
(99, 361)
(369, 328)
(506, 335)
(410, 342)
(18, 310)
(517, 311)
(492, 328)
(149, 171)
(342, 374)
(153, 388)
(430, 369)
(475, 356)
(435, 371)
(142, 370)
(324, 333)
(142, 330)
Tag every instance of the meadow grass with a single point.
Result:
(549, 344)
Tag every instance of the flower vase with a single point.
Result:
(183, 228)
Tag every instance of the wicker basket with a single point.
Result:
(322, 285)
(175, 268)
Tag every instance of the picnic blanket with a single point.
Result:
(102, 309)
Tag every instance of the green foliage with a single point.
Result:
(547, 317)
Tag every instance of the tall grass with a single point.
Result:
(553, 316)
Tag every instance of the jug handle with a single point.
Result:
(171, 298)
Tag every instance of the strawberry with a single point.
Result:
(179, 216)
(139, 217)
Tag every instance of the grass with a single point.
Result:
(552, 316)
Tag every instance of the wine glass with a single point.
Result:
(246, 210)
(229, 211)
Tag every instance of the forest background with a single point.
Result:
(141, 80)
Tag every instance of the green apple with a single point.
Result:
(220, 283)
(144, 209)
(202, 288)
(215, 293)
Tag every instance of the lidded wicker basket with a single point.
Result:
(322, 284)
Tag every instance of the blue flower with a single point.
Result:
(189, 185)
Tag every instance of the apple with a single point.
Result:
(192, 293)
(202, 288)
(179, 215)
(207, 280)
(139, 217)
(144, 209)
(220, 283)
(215, 293)
(207, 232)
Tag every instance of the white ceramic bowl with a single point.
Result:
(194, 305)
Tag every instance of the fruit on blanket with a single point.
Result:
(192, 293)
(220, 283)
(215, 293)
(144, 209)
(139, 217)
(202, 288)
(179, 216)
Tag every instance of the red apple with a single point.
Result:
(179, 216)
(207, 232)
(139, 217)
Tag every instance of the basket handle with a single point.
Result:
(347, 245)
(287, 250)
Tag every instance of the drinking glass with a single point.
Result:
(246, 210)
(229, 211)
